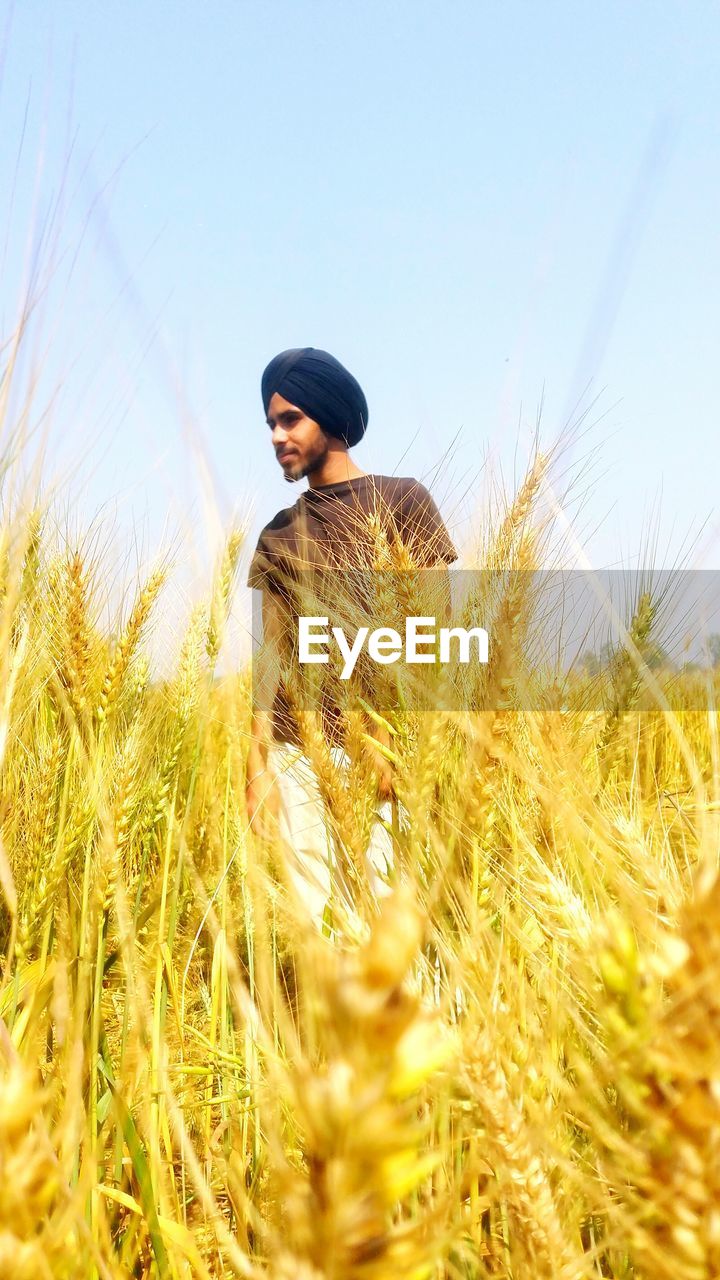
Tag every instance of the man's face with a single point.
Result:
(300, 444)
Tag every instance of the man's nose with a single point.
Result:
(279, 435)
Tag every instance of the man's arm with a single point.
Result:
(422, 528)
(259, 779)
(432, 549)
(423, 532)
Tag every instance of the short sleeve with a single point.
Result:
(421, 527)
(261, 568)
(266, 570)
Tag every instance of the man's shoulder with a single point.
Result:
(283, 519)
(396, 491)
(398, 488)
(418, 519)
(274, 544)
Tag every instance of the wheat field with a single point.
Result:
(509, 1068)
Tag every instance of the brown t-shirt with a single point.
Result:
(331, 526)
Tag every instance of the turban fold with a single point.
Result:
(323, 388)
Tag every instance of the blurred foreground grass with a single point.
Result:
(513, 1072)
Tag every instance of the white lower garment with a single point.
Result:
(306, 830)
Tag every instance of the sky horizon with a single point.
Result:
(479, 209)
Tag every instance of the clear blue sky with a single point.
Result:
(466, 202)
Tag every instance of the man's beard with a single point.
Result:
(312, 464)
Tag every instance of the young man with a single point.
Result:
(317, 412)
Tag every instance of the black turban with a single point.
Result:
(319, 385)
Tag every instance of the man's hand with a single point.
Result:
(262, 796)
(383, 768)
(386, 781)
